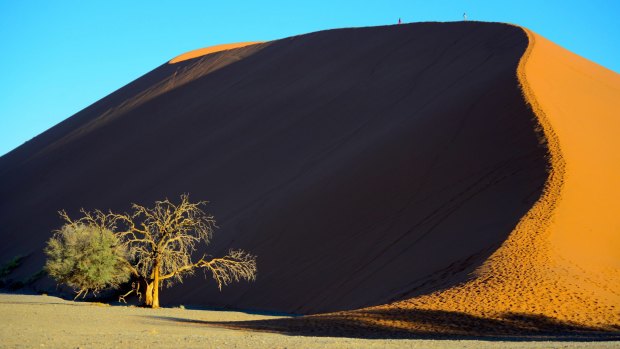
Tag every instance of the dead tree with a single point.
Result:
(162, 240)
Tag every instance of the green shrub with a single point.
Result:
(86, 258)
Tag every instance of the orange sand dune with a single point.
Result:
(559, 270)
(361, 165)
(211, 49)
(444, 177)
(581, 101)
(562, 261)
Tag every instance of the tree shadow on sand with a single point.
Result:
(420, 324)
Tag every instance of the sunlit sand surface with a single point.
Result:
(211, 49)
(563, 259)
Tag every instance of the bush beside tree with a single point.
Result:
(87, 258)
(156, 245)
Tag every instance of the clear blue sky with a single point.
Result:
(58, 57)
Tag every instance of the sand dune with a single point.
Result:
(558, 271)
(396, 165)
(360, 165)
(581, 101)
(562, 261)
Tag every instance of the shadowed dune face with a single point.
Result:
(420, 323)
(562, 259)
(362, 166)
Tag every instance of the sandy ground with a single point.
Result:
(31, 321)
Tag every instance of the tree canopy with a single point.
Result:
(87, 258)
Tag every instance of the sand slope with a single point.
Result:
(362, 166)
(558, 270)
(581, 101)
(562, 261)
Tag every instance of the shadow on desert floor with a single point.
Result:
(420, 324)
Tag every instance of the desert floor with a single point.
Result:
(33, 321)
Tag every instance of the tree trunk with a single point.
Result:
(156, 282)
(148, 294)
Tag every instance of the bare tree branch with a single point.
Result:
(161, 240)
(235, 266)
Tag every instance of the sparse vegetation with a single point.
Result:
(156, 245)
(6, 269)
(9, 266)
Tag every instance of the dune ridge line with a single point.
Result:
(526, 274)
(211, 49)
(530, 236)
(528, 239)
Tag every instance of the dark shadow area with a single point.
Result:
(244, 311)
(422, 324)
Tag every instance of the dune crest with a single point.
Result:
(562, 259)
(211, 49)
